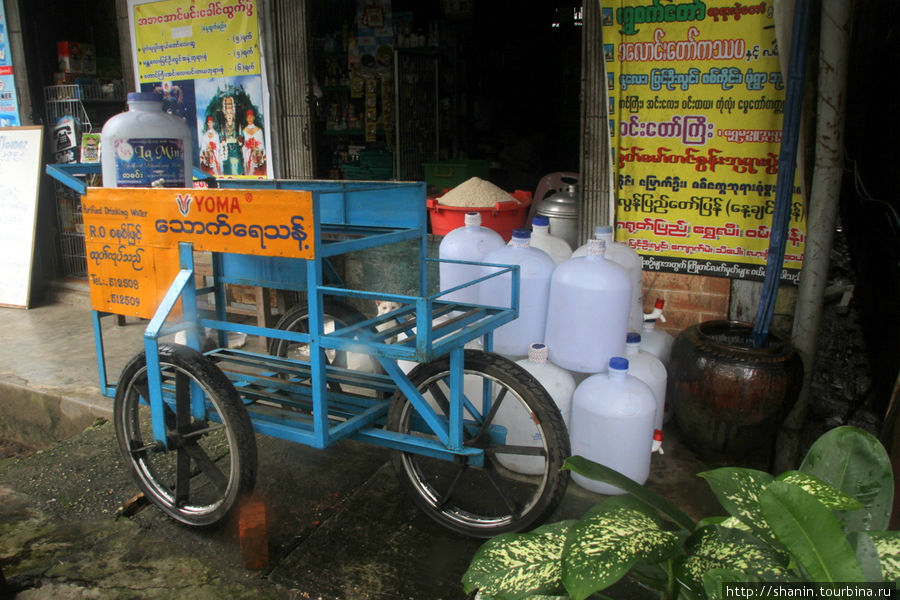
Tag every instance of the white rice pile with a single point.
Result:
(475, 192)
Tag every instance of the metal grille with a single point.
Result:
(417, 119)
(72, 254)
(65, 100)
(61, 101)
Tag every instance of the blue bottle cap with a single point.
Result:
(522, 233)
(633, 337)
(541, 221)
(601, 229)
(618, 363)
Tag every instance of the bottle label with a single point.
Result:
(149, 162)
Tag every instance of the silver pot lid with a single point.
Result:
(560, 204)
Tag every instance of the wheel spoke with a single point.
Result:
(203, 431)
(501, 490)
(207, 466)
(143, 391)
(495, 406)
(439, 397)
(182, 477)
(182, 402)
(449, 494)
(182, 423)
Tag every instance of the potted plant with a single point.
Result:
(824, 523)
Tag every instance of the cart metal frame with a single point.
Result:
(292, 400)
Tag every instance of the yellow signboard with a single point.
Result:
(696, 100)
(180, 39)
(132, 236)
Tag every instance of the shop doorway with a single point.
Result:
(508, 84)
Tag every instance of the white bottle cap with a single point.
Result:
(538, 353)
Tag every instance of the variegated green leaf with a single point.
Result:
(866, 554)
(653, 576)
(734, 523)
(723, 548)
(598, 472)
(737, 490)
(854, 461)
(604, 545)
(810, 532)
(729, 522)
(714, 579)
(516, 566)
(827, 494)
(887, 545)
(481, 596)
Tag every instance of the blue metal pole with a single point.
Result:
(784, 186)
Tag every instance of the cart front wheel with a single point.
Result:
(210, 461)
(511, 417)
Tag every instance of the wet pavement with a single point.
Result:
(339, 526)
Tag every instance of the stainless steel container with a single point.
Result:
(562, 210)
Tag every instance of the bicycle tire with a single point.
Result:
(210, 463)
(478, 507)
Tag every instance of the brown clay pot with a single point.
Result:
(729, 397)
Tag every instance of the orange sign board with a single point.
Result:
(132, 236)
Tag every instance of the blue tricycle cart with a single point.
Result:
(478, 442)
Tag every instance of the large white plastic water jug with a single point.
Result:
(558, 248)
(624, 255)
(656, 341)
(471, 242)
(558, 382)
(535, 270)
(612, 424)
(520, 428)
(146, 147)
(651, 371)
(587, 314)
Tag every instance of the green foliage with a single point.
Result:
(824, 522)
(608, 541)
(859, 466)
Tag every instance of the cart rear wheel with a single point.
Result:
(210, 462)
(336, 315)
(520, 482)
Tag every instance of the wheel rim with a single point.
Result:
(300, 351)
(336, 315)
(197, 478)
(490, 497)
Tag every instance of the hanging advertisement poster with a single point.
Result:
(696, 101)
(9, 104)
(205, 61)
